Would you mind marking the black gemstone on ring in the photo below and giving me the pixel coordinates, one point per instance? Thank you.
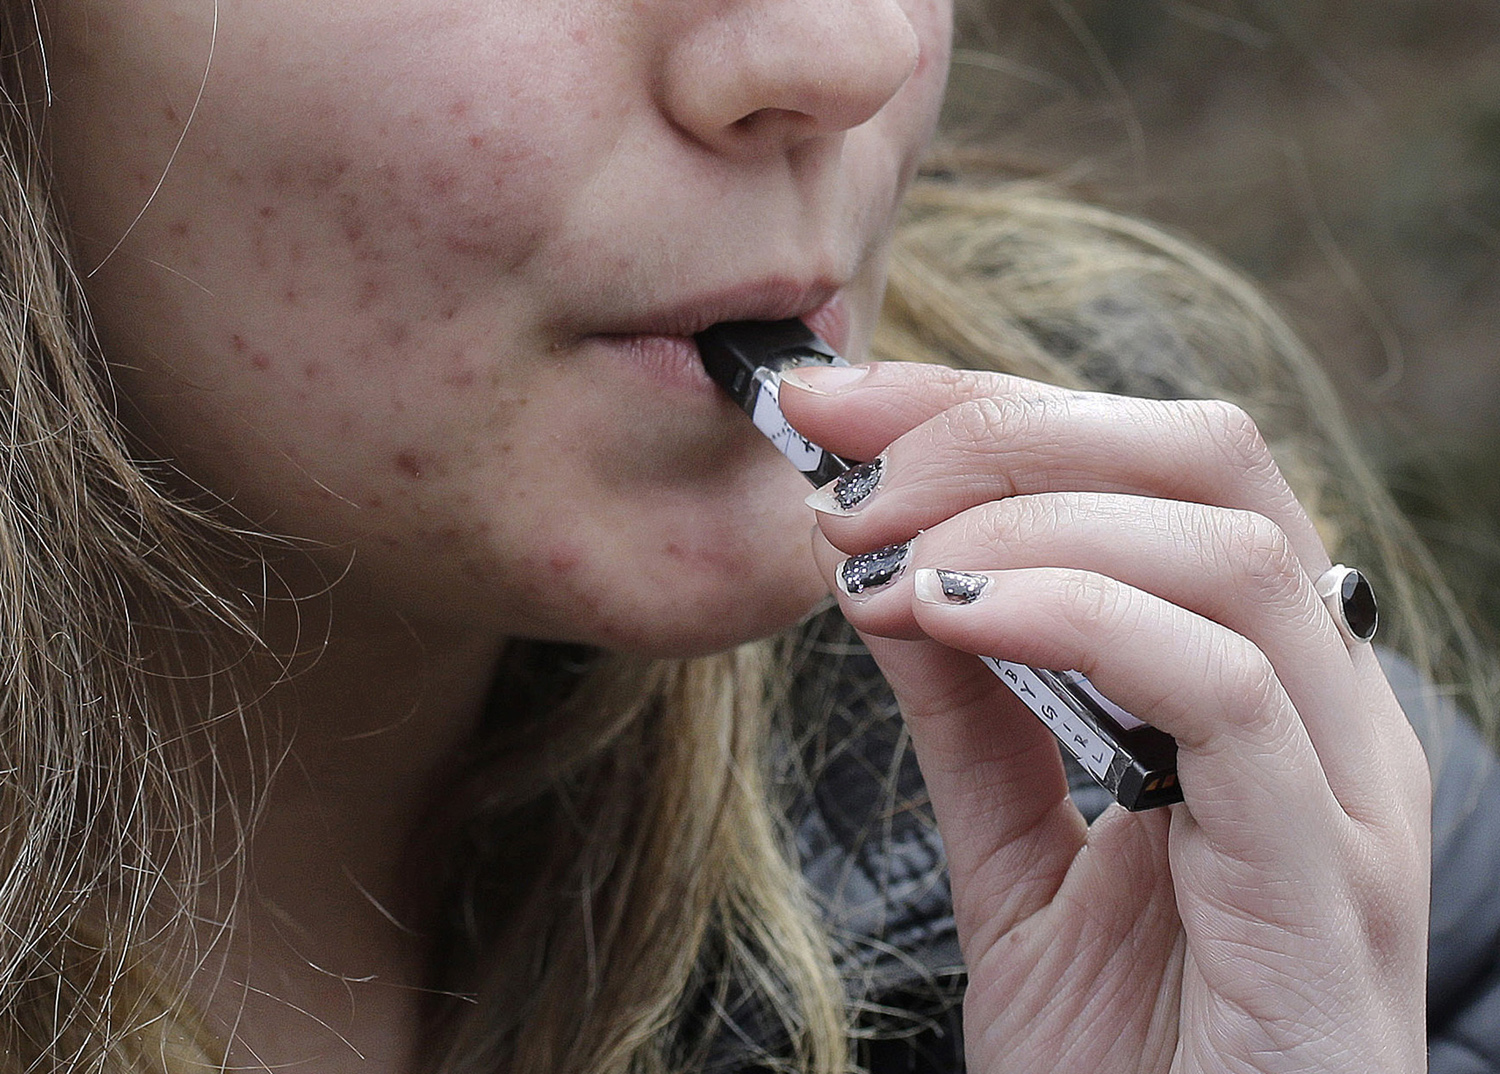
(874, 569)
(1357, 600)
(856, 483)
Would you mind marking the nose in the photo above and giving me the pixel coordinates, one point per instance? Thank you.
(750, 76)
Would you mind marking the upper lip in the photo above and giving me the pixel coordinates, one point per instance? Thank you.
(771, 299)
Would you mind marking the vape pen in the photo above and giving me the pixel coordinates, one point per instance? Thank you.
(1135, 762)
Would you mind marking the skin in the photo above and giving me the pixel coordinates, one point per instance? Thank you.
(1276, 921)
(410, 285)
(366, 303)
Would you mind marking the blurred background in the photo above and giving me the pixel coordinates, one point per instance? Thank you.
(1344, 152)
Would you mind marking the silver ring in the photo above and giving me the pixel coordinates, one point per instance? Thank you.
(1351, 601)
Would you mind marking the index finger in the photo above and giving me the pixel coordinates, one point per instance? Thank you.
(957, 438)
(889, 399)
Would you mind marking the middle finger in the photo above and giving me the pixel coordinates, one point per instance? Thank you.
(1233, 567)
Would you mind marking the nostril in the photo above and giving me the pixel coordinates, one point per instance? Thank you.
(786, 119)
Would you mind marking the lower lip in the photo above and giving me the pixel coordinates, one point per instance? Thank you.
(673, 361)
(670, 362)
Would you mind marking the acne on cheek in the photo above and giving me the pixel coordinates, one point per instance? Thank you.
(461, 187)
(412, 465)
(428, 238)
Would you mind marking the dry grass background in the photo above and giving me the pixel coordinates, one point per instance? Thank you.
(1345, 152)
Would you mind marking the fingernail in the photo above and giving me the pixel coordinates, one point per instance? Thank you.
(824, 379)
(847, 491)
(948, 587)
(871, 570)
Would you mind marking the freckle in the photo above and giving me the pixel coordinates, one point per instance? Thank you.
(675, 550)
(267, 213)
(260, 360)
(375, 502)
(462, 378)
(312, 371)
(466, 246)
(476, 141)
(170, 113)
(409, 464)
(369, 291)
(325, 174)
(179, 229)
(449, 312)
(563, 560)
(458, 109)
(238, 343)
(354, 232)
(290, 295)
(580, 35)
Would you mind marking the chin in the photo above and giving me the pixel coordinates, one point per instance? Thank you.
(698, 616)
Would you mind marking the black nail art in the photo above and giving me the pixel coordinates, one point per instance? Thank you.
(856, 483)
(874, 569)
(962, 588)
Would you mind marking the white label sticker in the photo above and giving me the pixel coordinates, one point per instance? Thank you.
(1081, 740)
(803, 453)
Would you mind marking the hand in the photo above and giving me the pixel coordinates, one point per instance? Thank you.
(1274, 921)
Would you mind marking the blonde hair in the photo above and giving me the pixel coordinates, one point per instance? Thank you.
(99, 572)
(619, 837)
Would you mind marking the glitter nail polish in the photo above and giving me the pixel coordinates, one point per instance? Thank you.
(871, 570)
(961, 587)
(854, 485)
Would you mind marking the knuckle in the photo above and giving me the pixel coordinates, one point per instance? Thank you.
(1233, 432)
(976, 425)
(956, 382)
(990, 424)
(1090, 601)
(1251, 686)
(1260, 555)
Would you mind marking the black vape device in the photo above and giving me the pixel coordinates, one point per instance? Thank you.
(1135, 762)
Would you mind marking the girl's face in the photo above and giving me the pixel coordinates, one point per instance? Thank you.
(414, 278)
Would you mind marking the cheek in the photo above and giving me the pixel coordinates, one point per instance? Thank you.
(343, 283)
